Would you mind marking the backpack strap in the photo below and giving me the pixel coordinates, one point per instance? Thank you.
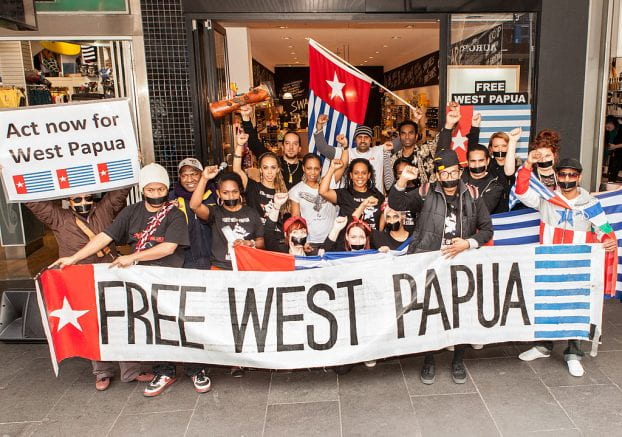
(90, 234)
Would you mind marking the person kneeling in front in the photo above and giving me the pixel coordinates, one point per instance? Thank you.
(450, 218)
(158, 234)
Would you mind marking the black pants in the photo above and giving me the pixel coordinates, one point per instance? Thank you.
(572, 352)
(168, 369)
(459, 350)
(615, 164)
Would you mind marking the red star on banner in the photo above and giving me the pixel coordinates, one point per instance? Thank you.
(459, 141)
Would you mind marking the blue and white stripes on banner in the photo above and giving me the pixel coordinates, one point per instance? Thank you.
(534, 184)
(39, 181)
(121, 169)
(81, 175)
(337, 122)
(612, 205)
(504, 118)
(562, 295)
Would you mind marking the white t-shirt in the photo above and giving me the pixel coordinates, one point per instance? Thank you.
(318, 212)
(375, 155)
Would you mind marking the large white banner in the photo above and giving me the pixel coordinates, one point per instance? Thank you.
(55, 151)
(327, 316)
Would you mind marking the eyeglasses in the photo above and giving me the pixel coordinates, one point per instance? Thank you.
(571, 175)
(79, 199)
(454, 174)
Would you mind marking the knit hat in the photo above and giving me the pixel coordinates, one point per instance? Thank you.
(152, 173)
(191, 162)
(445, 158)
(363, 130)
(569, 163)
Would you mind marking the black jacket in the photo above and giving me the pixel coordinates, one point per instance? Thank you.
(491, 190)
(429, 205)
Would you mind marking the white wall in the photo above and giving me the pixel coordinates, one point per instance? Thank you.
(240, 57)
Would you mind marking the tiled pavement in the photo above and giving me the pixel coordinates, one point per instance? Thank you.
(504, 396)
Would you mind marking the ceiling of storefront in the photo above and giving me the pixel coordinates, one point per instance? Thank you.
(281, 43)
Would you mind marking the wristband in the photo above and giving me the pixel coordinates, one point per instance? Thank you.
(237, 156)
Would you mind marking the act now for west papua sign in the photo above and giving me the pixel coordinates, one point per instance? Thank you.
(325, 316)
(55, 151)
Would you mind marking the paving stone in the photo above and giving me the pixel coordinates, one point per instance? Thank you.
(453, 415)
(517, 399)
(376, 402)
(234, 406)
(609, 364)
(152, 424)
(178, 396)
(594, 409)
(18, 429)
(444, 384)
(308, 419)
(303, 386)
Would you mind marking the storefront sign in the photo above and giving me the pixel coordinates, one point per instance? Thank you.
(326, 316)
(418, 73)
(481, 49)
(491, 92)
(55, 151)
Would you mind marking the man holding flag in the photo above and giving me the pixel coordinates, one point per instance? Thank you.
(570, 215)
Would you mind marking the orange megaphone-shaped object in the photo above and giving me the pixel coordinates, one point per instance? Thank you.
(256, 95)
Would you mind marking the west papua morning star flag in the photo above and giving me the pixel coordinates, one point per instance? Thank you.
(72, 177)
(337, 90)
(495, 118)
(36, 182)
(115, 170)
(524, 227)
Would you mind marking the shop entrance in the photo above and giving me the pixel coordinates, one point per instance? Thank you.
(426, 59)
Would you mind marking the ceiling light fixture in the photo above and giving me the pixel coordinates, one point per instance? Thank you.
(410, 26)
(290, 47)
(292, 53)
(385, 46)
(285, 37)
(282, 27)
(371, 57)
(377, 52)
(396, 37)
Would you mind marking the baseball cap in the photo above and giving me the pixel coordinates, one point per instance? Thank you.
(569, 163)
(192, 162)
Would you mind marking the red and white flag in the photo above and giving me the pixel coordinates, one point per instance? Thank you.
(338, 90)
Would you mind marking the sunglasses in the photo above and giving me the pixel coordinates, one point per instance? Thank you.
(563, 174)
(79, 199)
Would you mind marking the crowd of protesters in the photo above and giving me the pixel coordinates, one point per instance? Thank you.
(406, 194)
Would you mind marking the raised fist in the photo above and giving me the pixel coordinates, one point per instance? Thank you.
(322, 119)
(241, 138)
(533, 157)
(280, 199)
(336, 164)
(210, 172)
(476, 120)
(370, 201)
(340, 222)
(417, 115)
(410, 173)
(246, 111)
(515, 134)
(342, 141)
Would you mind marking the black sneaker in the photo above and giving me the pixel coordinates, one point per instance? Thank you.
(201, 381)
(237, 372)
(458, 372)
(157, 385)
(342, 370)
(428, 373)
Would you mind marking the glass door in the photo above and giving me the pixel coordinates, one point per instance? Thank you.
(211, 79)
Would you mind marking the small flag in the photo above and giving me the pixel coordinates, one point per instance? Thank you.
(115, 170)
(75, 176)
(338, 90)
(37, 182)
(495, 118)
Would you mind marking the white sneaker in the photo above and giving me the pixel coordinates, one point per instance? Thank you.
(450, 348)
(575, 368)
(477, 346)
(532, 354)
(370, 364)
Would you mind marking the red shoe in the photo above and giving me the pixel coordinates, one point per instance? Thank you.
(157, 385)
(144, 377)
(102, 384)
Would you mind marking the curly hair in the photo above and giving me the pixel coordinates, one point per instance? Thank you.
(371, 182)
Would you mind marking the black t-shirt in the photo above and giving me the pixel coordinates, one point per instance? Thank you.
(452, 222)
(244, 224)
(132, 221)
(292, 173)
(349, 201)
(258, 196)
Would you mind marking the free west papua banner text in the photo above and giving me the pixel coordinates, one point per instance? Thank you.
(324, 316)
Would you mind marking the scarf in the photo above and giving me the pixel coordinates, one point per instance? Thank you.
(152, 225)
